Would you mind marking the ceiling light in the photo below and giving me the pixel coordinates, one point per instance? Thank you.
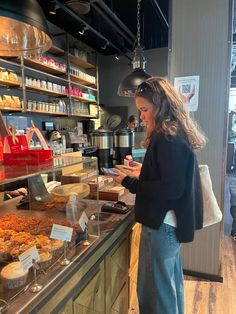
(83, 29)
(104, 47)
(24, 30)
(130, 83)
(52, 8)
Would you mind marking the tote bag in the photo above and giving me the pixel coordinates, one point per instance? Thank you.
(211, 211)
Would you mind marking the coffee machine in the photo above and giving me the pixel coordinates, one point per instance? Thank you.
(103, 140)
(122, 144)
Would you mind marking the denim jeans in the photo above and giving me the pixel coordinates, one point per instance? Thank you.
(160, 275)
(232, 189)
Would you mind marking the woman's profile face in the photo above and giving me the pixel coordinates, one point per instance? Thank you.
(147, 111)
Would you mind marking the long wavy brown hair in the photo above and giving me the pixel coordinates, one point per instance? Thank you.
(171, 115)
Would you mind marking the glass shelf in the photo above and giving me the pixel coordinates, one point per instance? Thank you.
(9, 174)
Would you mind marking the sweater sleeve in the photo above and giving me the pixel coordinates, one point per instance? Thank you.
(130, 183)
(171, 158)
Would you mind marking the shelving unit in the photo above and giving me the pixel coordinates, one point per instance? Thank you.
(37, 70)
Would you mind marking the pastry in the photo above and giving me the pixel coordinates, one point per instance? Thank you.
(45, 258)
(57, 247)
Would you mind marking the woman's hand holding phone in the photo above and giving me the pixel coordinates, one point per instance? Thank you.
(116, 174)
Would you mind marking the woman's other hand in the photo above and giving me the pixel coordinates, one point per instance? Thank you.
(133, 171)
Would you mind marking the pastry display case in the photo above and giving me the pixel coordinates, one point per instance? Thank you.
(49, 216)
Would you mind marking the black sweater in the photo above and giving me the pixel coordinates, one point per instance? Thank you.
(169, 179)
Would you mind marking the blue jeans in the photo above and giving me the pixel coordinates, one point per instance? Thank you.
(232, 189)
(160, 275)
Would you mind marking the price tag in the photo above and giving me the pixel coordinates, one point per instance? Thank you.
(61, 232)
(26, 258)
(83, 221)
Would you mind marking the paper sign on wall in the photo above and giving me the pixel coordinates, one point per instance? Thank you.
(188, 89)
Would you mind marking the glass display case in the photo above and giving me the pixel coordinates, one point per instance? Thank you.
(49, 216)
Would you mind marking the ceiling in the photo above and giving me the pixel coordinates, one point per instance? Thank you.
(111, 25)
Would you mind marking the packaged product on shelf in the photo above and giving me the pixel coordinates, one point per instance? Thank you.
(34, 82)
(1, 73)
(4, 74)
(63, 67)
(51, 62)
(1, 102)
(43, 84)
(59, 88)
(13, 76)
(38, 83)
(45, 60)
(55, 87)
(16, 101)
(7, 101)
(34, 105)
(29, 105)
(49, 85)
(30, 81)
(63, 89)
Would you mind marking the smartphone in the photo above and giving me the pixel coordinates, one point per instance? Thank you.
(109, 171)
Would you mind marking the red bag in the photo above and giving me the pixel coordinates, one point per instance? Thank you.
(16, 143)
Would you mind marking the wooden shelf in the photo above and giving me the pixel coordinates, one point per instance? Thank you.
(44, 90)
(43, 67)
(56, 51)
(9, 83)
(83, 116)
(77, 79)
(80, 62)
(48, 112)
(10, 109)
(83, 99)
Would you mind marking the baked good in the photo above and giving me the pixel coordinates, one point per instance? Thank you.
(13, 275)
(45, 258)
(57, 247)
(4, 254)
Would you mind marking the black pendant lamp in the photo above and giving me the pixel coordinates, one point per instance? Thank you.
(23, 30)
(129, 84)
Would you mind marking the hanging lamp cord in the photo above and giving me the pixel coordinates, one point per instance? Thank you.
(138, 22)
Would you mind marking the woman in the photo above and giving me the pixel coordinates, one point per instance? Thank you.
(168, 195)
